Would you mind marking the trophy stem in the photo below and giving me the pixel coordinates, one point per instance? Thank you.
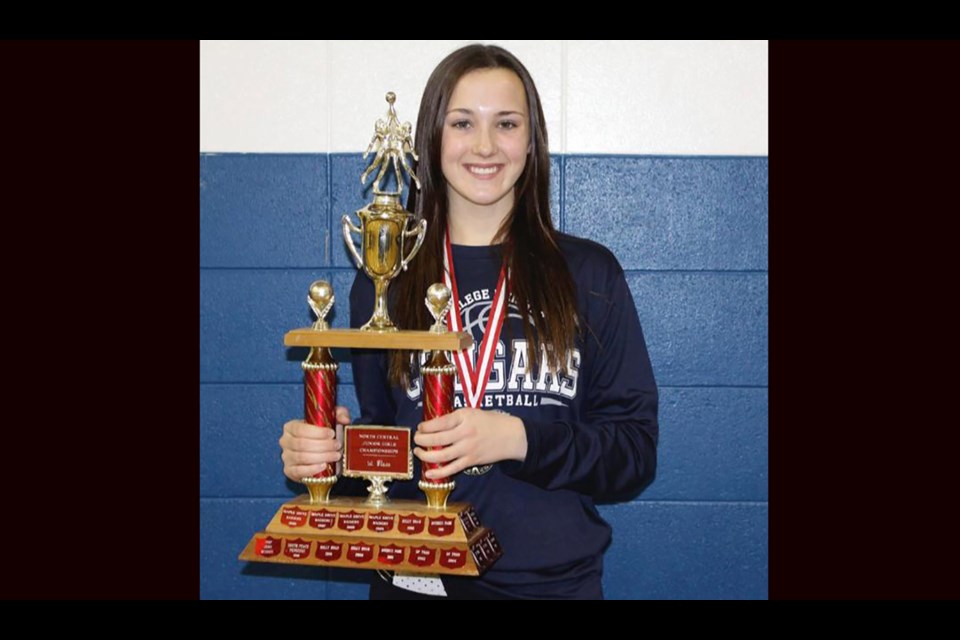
(381, 319)
(319, 488)
(437, 494)
(378, 490)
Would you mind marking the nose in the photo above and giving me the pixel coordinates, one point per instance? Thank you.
(484, 143)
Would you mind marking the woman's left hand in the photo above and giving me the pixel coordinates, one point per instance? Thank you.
(470, 437)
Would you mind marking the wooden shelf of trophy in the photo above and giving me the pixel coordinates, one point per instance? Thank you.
(418, 340)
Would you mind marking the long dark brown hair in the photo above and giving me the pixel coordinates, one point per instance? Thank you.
(529, 239)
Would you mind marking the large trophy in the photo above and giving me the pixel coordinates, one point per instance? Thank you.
(407, 536)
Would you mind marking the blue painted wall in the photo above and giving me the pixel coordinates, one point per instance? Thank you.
(691, 233)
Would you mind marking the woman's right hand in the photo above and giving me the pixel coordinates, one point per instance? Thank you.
(308, 448)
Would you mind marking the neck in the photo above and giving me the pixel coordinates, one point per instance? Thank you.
(474, 227)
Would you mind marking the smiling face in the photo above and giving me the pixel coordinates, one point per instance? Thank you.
(486, 137)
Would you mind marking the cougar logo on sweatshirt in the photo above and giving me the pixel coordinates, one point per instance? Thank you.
(510, 385)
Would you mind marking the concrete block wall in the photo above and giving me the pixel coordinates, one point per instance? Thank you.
(659, 152)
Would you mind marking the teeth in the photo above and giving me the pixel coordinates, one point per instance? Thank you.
(483, 172)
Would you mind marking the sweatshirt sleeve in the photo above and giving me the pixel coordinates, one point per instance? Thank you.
(610, 452)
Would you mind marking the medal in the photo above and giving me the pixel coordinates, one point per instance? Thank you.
(474, 379)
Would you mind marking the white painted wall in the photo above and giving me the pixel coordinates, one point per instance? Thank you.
(630, 97)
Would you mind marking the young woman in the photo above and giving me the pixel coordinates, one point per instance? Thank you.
(568, 415)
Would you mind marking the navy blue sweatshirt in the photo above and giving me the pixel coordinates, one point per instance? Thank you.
(591, 432)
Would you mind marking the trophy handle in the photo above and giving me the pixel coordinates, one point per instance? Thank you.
(420, 231)
(348, 226)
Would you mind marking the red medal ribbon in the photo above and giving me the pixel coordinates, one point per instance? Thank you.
(474, 378)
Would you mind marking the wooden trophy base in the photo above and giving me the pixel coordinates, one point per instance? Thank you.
(397, 535)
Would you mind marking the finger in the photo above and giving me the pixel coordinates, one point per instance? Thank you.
(303, 429)
(310, 445)
(297, 458)
(343, 415)
(439, 439)
(442, 423)
(290, 425)
(438, 455)
(293, 443)
(311, 431)
(297, 472)
(447, 471)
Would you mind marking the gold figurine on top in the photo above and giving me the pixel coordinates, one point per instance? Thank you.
(385, 224)
(393, 142)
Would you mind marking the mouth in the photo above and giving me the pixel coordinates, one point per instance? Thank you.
(483, 171)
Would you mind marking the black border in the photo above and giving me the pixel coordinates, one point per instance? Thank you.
(102, 467)
(863, 136)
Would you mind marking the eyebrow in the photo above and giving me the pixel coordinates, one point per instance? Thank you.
(499, 113)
